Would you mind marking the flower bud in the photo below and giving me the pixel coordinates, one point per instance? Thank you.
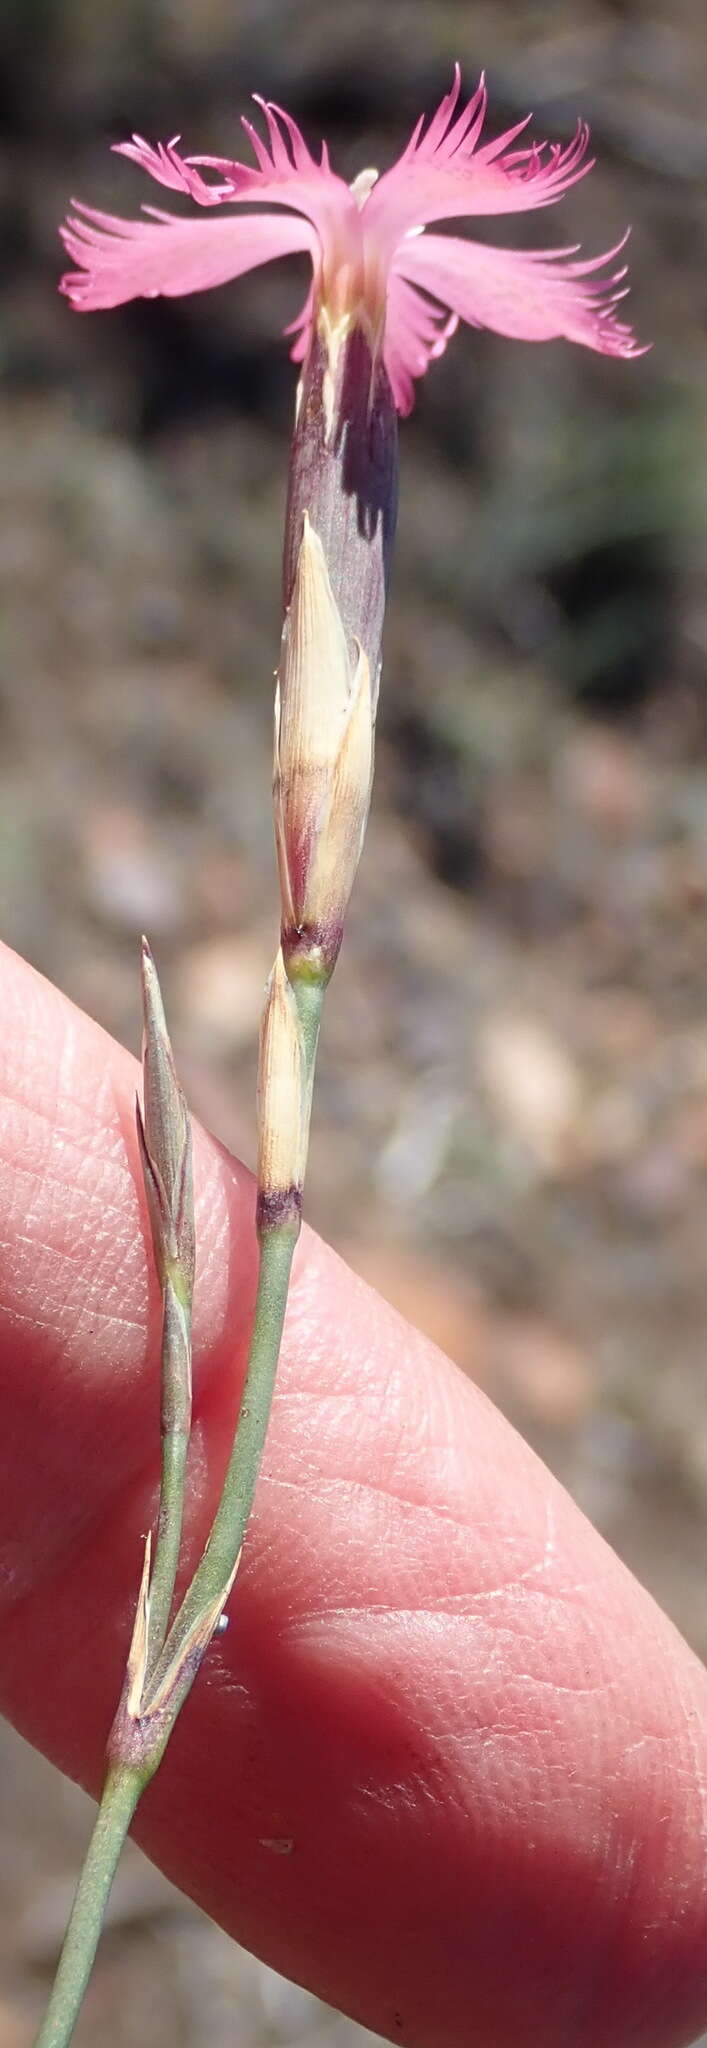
(283, 1112)
(324, 719)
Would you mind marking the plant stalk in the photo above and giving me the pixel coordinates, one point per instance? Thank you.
(177, 1666)
(176, 1420)
(277, 1248)
(121, 1792)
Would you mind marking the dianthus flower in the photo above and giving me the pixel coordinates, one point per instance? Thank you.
(375, 264)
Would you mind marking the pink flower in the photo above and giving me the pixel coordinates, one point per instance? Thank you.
(373, 261)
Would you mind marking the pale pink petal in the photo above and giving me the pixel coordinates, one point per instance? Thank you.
(532, 295)
(163, 256)
(285, 172)
(443, 174)
(416, 333)
(365, 242)
(167, 167)
(301, 327)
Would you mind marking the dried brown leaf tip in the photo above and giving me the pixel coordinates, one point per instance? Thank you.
(137, 1655)
(176, 1673)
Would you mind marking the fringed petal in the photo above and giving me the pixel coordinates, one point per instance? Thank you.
(285, 172)
(534, 295)
(366, 243)
(167, 167)
(443, 174)
(164, 257)
(416, 333)
(301, 328)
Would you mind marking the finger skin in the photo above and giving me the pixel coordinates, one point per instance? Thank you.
(448, 1764)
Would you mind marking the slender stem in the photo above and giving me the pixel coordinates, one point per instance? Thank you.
(277, 1246)
(176, 1420)
(228, 1528)
(125, 1783)
(169, 1534)
(120, 1796)
(309, 997)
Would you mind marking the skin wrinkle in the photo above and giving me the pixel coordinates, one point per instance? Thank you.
(371, 1636)
(93, 1120)
(137, 1495)
(383, 1490)
(65, 1185)
(65, 1536)
(498, 1635)
(409, 1407)
(67, 1282)
(69, 1191)
(578, 1691)
(447, 1811)
(626, 1894)
(36, 1244)
(120, 1257)
(355, 1490)
(107, 1284)
(498, 1651)
(511, 1586)
(699, 1773)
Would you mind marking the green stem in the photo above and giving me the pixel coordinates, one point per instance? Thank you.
(229, 1524)
(277, 1246)
(169, 1536)
(176, 1419)
(124, 1785)
(309, 997)
(125, 1782)
(120, 1796)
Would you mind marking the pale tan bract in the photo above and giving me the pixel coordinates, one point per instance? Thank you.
(324, 720)
(282, 1105)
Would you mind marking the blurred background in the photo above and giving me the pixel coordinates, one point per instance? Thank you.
(510, 1136)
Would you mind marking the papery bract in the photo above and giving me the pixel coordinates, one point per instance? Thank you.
(373, 262)
(324, 718)
(283, 1105)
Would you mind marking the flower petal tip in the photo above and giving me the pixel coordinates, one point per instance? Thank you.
(429, 282)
